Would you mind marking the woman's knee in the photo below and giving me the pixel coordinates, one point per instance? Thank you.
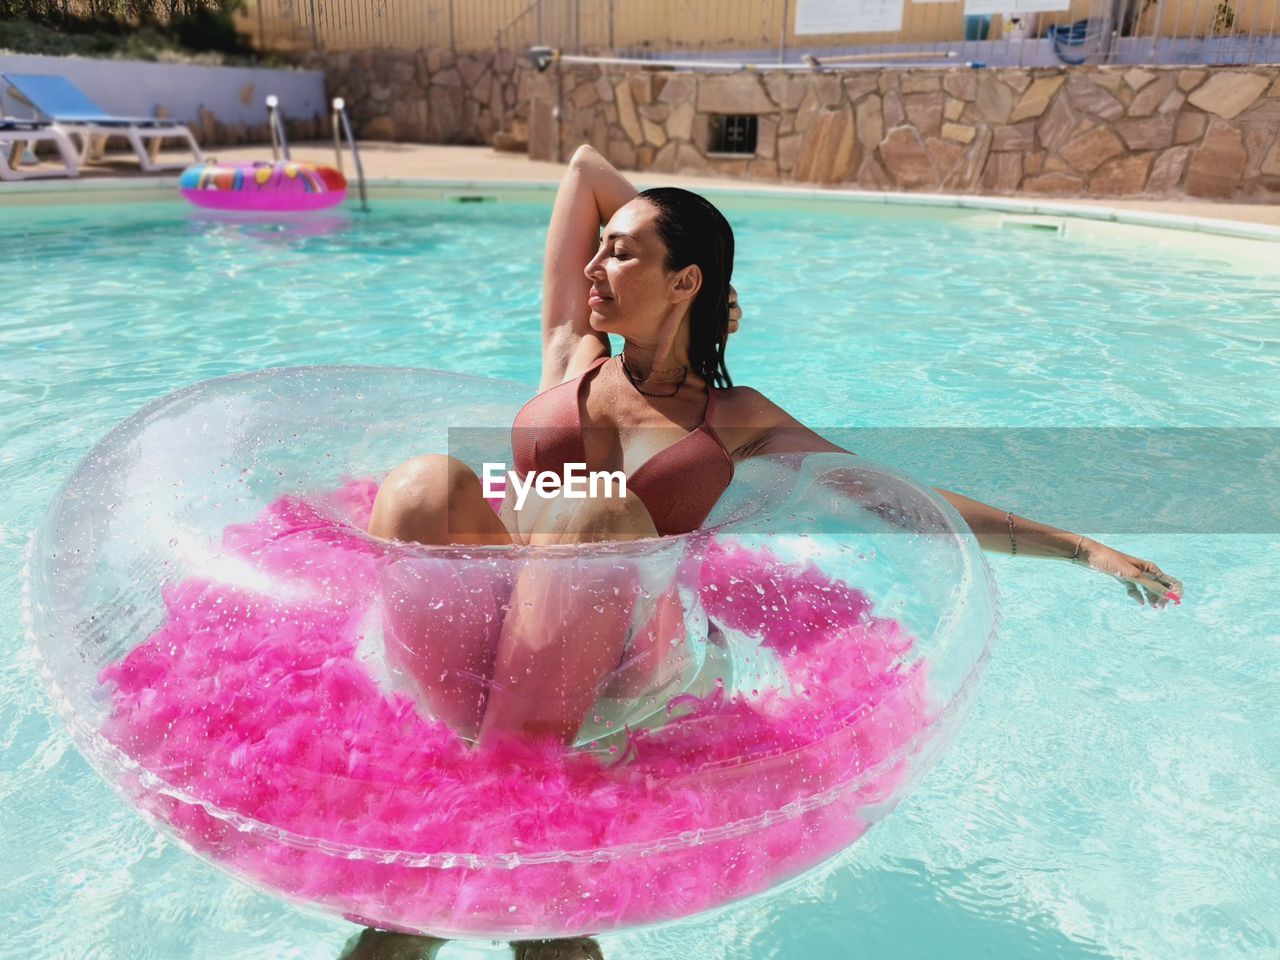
(416, 496)
(589, 521)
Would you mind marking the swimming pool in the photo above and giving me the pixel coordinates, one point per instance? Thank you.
(1116, 788)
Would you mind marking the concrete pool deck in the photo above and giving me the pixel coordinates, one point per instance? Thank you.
(430, 161)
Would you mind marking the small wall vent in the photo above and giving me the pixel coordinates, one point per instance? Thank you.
(733, 134)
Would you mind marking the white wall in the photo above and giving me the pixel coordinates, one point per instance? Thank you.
(233, 94)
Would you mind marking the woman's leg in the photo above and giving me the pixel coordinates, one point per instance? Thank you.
(441, 620)
(568, 621)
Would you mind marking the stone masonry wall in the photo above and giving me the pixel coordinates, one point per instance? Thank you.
(430, 96)
(1066, 132)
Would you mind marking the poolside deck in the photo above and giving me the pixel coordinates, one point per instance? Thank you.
(423, 161)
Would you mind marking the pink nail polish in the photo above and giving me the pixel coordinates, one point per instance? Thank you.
(1170, 595)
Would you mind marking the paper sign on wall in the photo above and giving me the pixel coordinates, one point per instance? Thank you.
(849, 16)
(986, 7)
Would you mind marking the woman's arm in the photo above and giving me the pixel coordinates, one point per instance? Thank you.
(590, 193)
(997, 531)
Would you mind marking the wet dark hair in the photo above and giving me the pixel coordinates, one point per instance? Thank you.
(695, 232)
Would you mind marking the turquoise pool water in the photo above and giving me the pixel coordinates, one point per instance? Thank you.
(1116, 789)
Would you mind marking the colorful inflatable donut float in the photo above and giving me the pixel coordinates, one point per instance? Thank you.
(270, 685)
(281, 186)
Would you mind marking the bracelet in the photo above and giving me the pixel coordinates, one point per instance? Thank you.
(1076, 553)
(1013, 544)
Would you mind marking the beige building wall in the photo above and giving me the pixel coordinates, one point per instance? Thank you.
(599, 26)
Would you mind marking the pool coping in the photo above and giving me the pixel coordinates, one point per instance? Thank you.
(30, 189)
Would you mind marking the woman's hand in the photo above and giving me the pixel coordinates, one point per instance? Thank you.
(1143, 580)
(735, 311)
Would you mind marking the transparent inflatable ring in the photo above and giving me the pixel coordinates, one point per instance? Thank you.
(263, 680)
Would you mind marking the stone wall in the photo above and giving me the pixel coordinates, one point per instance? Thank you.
(1066, 132)
(430, 96)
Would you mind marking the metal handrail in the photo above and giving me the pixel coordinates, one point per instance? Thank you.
(275, 120)
(340, 117)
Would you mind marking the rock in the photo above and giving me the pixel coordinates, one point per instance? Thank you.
(653, 132)
(1190, 126)
(1088, 97)
(961, 84)
(542, 132)
(829, 90)
(1088, 152)
(859, 85)
(945, 155)
(680, 87)
(1166, 172)
(1002, 172)
(762, 169)
(1137, 79)
(1257, 138)
(894, 114)
(680, 123)
(1172, 103)
(379, 128)
(924, 111)
(872, 176)
(1121, 177)
(604, 89)
(733, 93)
(1218, 163)
(767, 139)
(1228, 93)
(1053, 184)
(621, 153)
(1018, 79)
(785, 89)
(829, 151)
(690, 160)
(447, 78)
(965, 176)
(1188, 80)
(1271, 163)
(584, 96)
(664, 161)
(913, 82)
(907, 160)
(627, 115)
(995, 100)
(1149, 133)
(641, 87)
(1016, 136)
(1145, 103)
(1056, 126)
(959, 132)
(1036, 100)
(953, 109)
(788, 148)
(1275, 89)
(869, 122)
(404, 71)
(1033, 163)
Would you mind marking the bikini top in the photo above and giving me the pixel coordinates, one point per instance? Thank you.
(678, 485)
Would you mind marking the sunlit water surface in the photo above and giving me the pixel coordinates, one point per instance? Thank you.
(1116, 790)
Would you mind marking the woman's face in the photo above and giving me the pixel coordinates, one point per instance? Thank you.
(631, 290)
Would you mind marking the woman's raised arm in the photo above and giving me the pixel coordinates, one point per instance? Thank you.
(590, 193)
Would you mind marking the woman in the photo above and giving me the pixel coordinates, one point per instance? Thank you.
(665, 413)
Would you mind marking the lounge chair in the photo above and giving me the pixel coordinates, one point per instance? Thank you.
(74, 114)
(16, 135)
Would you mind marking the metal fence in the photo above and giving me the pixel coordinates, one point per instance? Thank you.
(792, 32)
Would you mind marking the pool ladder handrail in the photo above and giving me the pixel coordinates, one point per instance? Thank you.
(342, 124)
(275, 120)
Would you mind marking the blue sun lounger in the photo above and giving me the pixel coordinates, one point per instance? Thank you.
(16, 135)
(70, 111)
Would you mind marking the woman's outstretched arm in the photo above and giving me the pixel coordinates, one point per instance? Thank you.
(590, 193)
(774, 431)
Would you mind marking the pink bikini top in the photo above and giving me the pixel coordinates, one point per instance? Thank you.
(678, 485)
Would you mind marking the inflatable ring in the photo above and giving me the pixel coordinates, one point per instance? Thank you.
(239, 659)
(282, 186)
